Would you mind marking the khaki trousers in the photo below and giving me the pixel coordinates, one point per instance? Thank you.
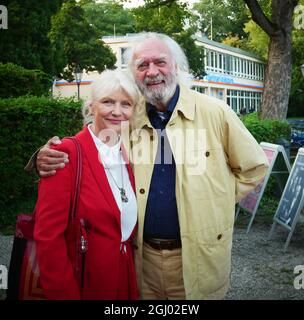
(162, 274)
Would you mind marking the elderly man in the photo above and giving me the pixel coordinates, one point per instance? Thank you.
(193, 159)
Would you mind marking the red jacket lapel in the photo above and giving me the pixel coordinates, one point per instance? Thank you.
(91, 153)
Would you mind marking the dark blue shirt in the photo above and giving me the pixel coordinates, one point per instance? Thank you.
(161, 218)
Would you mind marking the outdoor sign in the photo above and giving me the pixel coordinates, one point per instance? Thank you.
(292, 200)
(279, 167)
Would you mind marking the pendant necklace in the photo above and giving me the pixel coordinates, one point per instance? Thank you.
(122, 190)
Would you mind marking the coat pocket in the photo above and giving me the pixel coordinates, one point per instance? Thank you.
(213, 259)
(206, 174)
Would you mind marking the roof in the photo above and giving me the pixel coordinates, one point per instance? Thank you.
(205, 40)
(202, 39)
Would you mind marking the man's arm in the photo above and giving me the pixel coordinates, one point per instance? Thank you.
(247, 159)
(46, 160)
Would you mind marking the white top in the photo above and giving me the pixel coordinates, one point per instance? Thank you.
(112, 160)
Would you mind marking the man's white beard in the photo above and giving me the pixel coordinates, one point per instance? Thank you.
(163, 93)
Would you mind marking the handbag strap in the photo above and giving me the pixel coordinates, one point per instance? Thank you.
(75, 199)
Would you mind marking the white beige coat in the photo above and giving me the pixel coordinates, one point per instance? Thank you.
(217, 163)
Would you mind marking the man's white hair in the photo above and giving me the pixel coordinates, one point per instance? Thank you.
(178, 56)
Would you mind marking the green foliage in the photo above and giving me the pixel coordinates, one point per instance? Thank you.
(228, 18)
(269, 201)
(266, 130)
(79, 40)
(25, 42)
(17, 81)
(172, 18)
(161, 16)
(296, 99)
(258, 39)
(26, 124)
(194, 53)
(267, 206)
(109, 17)
(258, 42)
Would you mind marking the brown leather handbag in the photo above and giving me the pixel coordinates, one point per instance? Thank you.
(24, 275)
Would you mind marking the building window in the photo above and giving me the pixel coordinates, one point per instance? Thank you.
(244, 101)
(223, 63)
(199, 89)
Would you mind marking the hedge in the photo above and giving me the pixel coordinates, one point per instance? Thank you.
(17, 81)
(26, 124)
(266, 130)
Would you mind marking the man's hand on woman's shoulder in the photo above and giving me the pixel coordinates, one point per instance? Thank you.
(49, 160)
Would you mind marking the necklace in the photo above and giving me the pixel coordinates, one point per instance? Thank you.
(122, 190)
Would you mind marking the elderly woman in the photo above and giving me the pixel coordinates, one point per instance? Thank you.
(107, 202)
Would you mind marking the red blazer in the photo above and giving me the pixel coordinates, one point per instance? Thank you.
(102, 276)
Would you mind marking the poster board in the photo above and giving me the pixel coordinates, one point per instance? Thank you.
(279, 167)
(292, 200)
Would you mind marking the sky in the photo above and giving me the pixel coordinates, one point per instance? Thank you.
(136, 3)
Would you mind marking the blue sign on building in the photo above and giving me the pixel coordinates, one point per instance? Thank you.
(217, 78)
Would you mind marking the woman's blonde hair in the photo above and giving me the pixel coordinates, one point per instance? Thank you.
(109, 82)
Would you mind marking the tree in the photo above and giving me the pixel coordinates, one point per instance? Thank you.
(296, 101)
(225, 16)
(109, 18)
(79, 40)
(161, 16)
(25, 42)
(258, 40)
(278, 71)
(171, 17)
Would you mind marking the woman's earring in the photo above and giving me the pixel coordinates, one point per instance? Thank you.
(91, 113)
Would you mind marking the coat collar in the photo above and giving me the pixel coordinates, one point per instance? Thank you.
(90, 151)
(185, 104)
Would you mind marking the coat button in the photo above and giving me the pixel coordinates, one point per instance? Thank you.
(151, 137)
(142, 191)
(219, 237)
(135, 246)
(207, 153)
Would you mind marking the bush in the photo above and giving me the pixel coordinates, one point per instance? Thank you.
(26, 124)
(266, 130)
(17, 81)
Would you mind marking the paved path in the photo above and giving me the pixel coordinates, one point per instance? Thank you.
(260, 268)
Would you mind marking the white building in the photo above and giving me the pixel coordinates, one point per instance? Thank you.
(233, 75)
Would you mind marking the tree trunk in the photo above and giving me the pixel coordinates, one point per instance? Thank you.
(277, 80)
